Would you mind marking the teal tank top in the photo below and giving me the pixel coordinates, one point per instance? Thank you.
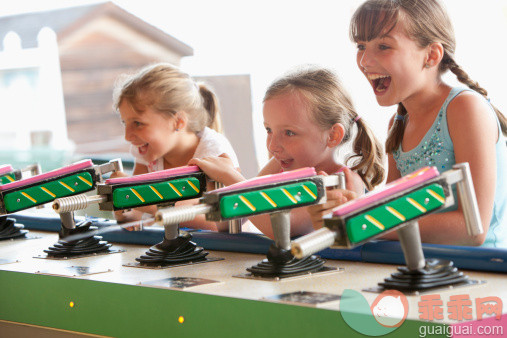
(436, 149)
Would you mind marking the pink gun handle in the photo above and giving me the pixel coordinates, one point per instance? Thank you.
(4, 169)
(85, 164)
(157, 175)
(405, 182)
(274, 178)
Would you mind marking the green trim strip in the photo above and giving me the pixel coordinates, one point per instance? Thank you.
(266, 200)
(48, 191)
(160, 192)
(7, 178)
(398, 211)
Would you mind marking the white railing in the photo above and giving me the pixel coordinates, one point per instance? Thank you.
(32, 111)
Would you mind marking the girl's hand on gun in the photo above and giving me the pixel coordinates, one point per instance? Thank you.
(219, 168)
(116, 174)
(353, 181)
(336, 197)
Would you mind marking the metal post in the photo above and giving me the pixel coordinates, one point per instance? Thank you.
(67, 219)
(171, 231)
(280, 222)
(410, 241)
(468, 200)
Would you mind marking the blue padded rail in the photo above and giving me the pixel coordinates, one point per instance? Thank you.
(464, 257)
(387, 252)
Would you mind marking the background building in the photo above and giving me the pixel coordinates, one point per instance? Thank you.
(97, 43)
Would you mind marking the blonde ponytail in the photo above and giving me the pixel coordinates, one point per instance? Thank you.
(368, 150)
(212, 106)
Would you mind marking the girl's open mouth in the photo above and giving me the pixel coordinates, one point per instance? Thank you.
(143, 149)
(379, 82)
(286, 163)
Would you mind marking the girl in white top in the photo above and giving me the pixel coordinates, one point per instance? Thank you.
(169, 119)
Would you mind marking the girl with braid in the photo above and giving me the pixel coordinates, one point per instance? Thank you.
(308, 116)
(403, 49)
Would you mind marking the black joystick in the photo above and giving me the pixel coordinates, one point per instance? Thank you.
(281, 263)
(179, 250)
(10, 229)
(436, 273)
(87, 245)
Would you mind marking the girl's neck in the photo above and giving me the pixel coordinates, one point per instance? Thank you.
(428, 100)
(183, 150)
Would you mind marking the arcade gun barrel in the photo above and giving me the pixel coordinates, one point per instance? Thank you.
(8, 174)
(163, 187)
(266, 194)
(43, 188)
(399, 203)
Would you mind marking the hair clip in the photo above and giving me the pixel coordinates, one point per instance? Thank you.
(358, 117)
(399, 117)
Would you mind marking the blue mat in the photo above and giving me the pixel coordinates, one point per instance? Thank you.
(387, 252)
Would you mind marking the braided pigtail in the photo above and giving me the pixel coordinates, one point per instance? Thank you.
(395, 135)
(463, 77)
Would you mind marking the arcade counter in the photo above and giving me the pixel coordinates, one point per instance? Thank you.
(108, 295)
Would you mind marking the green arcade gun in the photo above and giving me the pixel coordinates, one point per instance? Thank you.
(68, 181)
(397, 207)
(276, 195)
(161, 188)
(8, 227)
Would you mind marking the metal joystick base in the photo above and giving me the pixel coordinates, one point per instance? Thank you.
(83, 245)
(280, 262)
(176, 248)
(421, 274)
(436, 273)
(10, 229)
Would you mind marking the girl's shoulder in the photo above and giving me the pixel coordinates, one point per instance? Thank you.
(468, 108)
(211, 136)
(213, 143)
(471, 118)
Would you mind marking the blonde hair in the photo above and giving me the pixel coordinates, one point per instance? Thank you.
(330, 103)
(166, 89)
(425, 22)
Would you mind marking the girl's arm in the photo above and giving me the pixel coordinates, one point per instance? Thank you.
(474, 134)
(336, 197)
(220, 169)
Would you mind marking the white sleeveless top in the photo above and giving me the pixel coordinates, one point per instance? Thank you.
(211, 143)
